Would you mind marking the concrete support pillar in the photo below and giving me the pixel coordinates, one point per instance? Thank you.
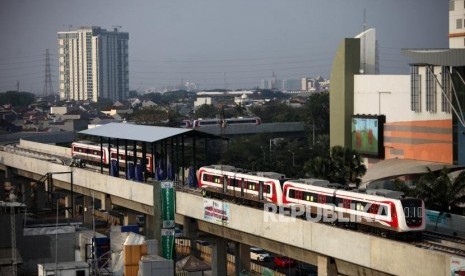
(156, 224)
(23, 192)
(148, 226)
(88, 209)
(105, 202)
(126, 219)
(219, 257)
(7, 187)
(8, 173)
(40, 196)
(326, 266)
(242, 257)
(67, 204)
(191, 231)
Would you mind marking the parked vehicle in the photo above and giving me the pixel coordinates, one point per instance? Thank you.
(259, 254)
(304, 269)
(282, 261)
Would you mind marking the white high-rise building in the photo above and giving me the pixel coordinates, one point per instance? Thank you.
(93, 64)
(456, 24)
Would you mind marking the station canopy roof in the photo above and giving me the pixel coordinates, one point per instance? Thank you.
(444, 57)
(142, 133)
(392, 168)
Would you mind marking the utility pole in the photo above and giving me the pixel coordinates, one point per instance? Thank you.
(13, 241)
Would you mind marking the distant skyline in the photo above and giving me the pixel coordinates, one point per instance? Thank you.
(216, 43)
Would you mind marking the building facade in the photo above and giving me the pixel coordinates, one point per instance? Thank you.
(456, 24)
(93, 64)
(424, 111)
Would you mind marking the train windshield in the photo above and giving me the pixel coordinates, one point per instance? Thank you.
(413, 211)
(412, 207)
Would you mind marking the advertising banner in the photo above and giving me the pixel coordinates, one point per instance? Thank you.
(216, 211)
(457, 266)
(167, 243)
(167, 204)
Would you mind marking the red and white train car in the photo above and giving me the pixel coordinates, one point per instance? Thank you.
(237, 182)
(395, 214)
(91, 153)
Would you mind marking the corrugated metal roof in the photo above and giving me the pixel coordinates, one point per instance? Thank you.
(132, 132)
(444, 57)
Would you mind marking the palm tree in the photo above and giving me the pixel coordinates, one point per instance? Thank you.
(319, 167)
(440, 192)
(343, 166)
(346, 166)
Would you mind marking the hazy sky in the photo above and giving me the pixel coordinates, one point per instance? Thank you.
(216, 43)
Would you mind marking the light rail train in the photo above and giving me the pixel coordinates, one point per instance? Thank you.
(382, 210)
(91, 153)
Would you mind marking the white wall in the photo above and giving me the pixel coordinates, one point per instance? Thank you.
(390, 95)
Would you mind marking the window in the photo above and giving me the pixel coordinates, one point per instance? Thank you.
(430, 89)
(415, 89)
(451, 5)
(446, 92)
(459, 23)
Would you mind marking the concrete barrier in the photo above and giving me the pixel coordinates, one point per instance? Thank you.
(380, 254)
(45, 148)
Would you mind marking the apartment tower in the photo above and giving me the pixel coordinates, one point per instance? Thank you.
(93, 64)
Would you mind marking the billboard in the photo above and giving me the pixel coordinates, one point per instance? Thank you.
(216, 211)
(368, 135)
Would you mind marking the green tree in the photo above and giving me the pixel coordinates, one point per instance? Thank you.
(17, 98)
(206, 111)
(276, 111)
(343, 166)
(153, 116)
(441, 192)
(239, 110)
(133, 94)
(316, 114)
(319, 167)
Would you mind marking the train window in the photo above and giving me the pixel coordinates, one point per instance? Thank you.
(216, 179)
(360, 206)
(322, 199)
(291, 193)
(374, 208)
(383, 210)
(299, 194)
(346, 203)
(267, 189)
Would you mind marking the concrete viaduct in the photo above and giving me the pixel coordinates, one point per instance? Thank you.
(335, 251)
